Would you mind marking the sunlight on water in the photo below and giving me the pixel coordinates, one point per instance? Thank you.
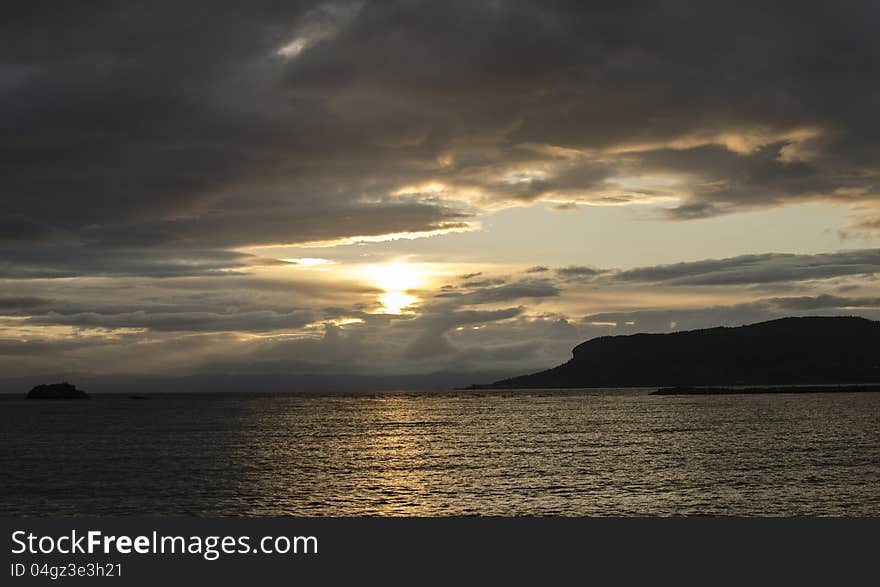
(488, 453)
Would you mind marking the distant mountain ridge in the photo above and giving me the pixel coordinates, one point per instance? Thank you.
(807, 350)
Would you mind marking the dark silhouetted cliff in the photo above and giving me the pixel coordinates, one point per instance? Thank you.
(784, 351)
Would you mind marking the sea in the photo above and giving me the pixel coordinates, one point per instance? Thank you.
(610, 452)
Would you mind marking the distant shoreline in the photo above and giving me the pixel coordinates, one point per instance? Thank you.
(775, 389)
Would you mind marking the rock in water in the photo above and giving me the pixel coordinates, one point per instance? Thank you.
(63, 390)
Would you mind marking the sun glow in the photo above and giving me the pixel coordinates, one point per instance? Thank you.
(395, 302)
(396, 279)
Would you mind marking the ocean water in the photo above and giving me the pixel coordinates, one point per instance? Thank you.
(561, 453)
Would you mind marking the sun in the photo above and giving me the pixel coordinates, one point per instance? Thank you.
(396, 279)
(396, 276)
(395, 302)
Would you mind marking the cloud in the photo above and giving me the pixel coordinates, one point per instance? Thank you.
(256, 321)
(758, 269)
(671, 319)
(500, 353)
(308, 125)
(47, 262)
(22, 303)
(862, 224)
(279, 223)
(823, 301)
(28, 349)
(319, 23)
(16, 230)
(578, 272)
(431, 342)
(490, 292)
(513, 291)
(142, 162)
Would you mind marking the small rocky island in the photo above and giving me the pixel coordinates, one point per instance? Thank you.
(63, 390)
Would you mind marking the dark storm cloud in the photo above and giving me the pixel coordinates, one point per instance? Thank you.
(758, 269)
(47, 262)
(14, 304)
(130, 126)
(256, 321)
(730, 181)
(748, 105)
(280, 223)
(291, 122)
(17, 230)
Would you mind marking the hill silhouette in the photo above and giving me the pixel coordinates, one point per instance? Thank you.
(787, 351)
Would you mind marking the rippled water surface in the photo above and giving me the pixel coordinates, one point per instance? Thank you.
(569, 453)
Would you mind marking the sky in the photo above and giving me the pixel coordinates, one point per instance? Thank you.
(406, 187)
